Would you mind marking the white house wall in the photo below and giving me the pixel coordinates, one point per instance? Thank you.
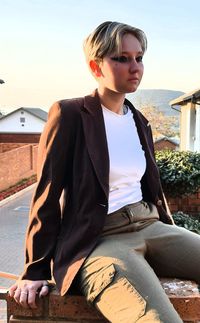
(13, 123)
(197, 135)
(185, 127)
(192, 127)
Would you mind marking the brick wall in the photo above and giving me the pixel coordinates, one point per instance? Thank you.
(9, 146)
(188, 204)
(20, 137)
(183, 294)
(17, 164)
(164, 144)
(21, 162)
(34, 157)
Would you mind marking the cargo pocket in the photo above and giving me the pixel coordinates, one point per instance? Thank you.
(121, 302)
(98, 282)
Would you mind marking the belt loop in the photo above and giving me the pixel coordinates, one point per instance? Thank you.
(129, 213)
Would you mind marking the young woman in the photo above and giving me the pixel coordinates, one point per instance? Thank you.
(113, 235)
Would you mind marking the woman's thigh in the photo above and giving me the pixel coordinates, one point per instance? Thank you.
(173, 251)
(121, 284)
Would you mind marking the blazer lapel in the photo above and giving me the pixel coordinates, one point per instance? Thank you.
(95, 136)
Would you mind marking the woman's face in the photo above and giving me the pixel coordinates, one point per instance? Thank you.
(123, 73)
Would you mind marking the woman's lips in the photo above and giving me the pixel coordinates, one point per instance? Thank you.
(134, 79)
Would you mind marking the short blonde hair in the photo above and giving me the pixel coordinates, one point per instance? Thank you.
(107, 37)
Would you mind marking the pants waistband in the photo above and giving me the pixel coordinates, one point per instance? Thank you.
(131, 217)
(127, 208)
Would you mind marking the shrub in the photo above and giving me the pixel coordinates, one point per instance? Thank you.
(179, 171)
(187, 222)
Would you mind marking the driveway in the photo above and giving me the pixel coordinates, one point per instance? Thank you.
(13, 222)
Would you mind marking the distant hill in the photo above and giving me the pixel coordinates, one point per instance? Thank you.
(158, 98)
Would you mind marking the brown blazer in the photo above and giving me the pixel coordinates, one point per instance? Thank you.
(73, 156)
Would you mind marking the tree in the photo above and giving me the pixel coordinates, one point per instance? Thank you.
(160, 122)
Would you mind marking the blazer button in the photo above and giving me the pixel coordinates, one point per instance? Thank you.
(159, 203)
(101, 204)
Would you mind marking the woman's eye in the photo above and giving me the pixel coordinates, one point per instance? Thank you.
(139, 59)
(125, 59)
(120, 59)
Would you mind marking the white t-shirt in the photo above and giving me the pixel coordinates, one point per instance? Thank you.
(127, 160)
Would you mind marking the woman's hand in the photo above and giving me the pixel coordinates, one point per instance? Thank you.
(24, 291)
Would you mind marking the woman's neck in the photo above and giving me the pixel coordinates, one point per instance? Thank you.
(112, 100)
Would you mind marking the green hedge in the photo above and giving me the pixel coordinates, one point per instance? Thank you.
(186, 221)
(179, 171)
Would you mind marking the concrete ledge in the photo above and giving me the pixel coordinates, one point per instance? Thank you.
(185, 297)
(183, 294)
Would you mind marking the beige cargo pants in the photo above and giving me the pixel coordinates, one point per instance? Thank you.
(120, 277)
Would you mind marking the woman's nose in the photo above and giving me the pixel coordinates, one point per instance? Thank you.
(134, 66)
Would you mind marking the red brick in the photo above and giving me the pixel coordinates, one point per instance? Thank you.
(17, 310)
(185, 297)
(38, 320)
(71, 307)
(188, 204)
(164, 144)
(171, 200)
(183, 294)
(187, 307)
(9, 146)
(194, 202)
(17, 164)
(19, 138)
(174, 208)
(193, 196)
(184, 200)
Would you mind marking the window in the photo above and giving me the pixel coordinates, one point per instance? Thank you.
(22, 120)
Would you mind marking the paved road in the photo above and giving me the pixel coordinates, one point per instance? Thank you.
(13, 222)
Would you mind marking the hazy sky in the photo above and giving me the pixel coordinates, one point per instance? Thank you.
(41, 57)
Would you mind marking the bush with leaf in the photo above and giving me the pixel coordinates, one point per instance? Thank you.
(186, 221)
(179, 171)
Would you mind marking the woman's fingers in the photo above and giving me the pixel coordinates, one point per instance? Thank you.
(23, 298)
(24, 292)
(17, 294)
(12, 290)
(31, 298)
(44, 290)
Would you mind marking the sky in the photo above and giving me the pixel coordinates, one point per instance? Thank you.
(41, 56)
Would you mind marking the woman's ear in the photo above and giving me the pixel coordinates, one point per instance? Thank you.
(96, 70)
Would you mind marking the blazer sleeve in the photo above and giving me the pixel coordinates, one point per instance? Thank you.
(45, 215)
